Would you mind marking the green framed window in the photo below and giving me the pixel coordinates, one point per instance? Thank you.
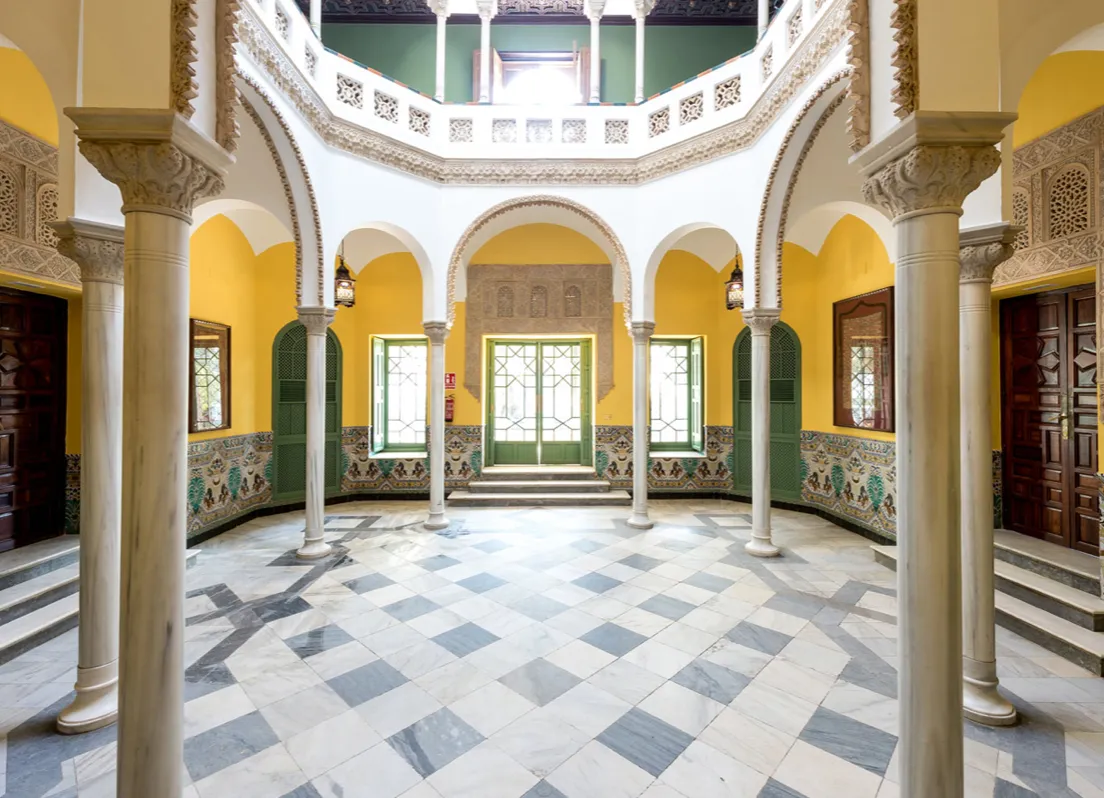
(677, 390)
(399, 385)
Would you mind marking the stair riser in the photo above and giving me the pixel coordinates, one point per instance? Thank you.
(1050, 571)
(548, 501)
(1086, 659)
(578, 487)
(30, 605)
(1086, 620)
(531, 476)
(43, 635)
(38, 569)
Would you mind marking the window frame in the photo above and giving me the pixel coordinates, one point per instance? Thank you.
(381, 443)
(874, 302)
(223, 331)
(695, 399)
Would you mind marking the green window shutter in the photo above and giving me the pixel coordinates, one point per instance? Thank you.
(333, 413)
(379, 394)
(697, 384)
(289, 411)
(741, 416)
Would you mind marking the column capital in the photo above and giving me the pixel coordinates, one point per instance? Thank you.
(436, 332)
(931, 178)
(487, 9)
(983, 249)
(316, 319)
(595, 9)
(158, 159)
(642, 331)
(642, 8)
(96, 248)
(440, 8)
(760, 320)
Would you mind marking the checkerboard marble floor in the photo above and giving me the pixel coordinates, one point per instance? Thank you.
(548, 653)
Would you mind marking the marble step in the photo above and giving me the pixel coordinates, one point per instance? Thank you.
(528, 473)
(25, 597)
(1068, 603)
(28, 562)
(539, 486)
(1074, 568)
(614, 498)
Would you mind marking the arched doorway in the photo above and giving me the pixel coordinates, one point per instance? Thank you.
(289, 412)
(785, 413)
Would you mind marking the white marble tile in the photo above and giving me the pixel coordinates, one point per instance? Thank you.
(304, 710)
(588, 708)
(580, 658)
(420, 659)
(393, 639)
(684, 709)
(686, 638)
(660, 659)
(453, 681)
(491, 708)
(483, 772)
(758, 745)
(783, 711)
(597, 771)
(704, 772)
(540, 741)
(796, 680)
(379, 772)
(271, 773)
(818, 774)
(341, 659)
(215, 709)
(330, 743)
(398, 708)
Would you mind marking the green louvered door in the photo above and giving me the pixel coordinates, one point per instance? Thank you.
(785, 448)
(289, 412)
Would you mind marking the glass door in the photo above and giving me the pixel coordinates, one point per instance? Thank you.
(539, 408)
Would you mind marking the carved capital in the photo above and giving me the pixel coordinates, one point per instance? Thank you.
(760, 320)
(439, 7)
(595, 9)
(316, 320)
(931, 177)
(983, 249)
(487, 9)
(642, 331)
(642, 8)
(97, 249)
(436, 332)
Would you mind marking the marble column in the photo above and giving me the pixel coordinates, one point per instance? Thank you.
(437, 332)
(316, 17)
(760, 320)
(98, 250)
(981, 251)
(594, 10)
(763, 17)
(161, 164)
(487, 10)
(641, 10)
(316, 320)
(441, 10)
(922, 186)
(642, 337)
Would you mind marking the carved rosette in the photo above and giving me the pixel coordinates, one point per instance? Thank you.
(760, 320)
(436, 332)
(157, 177)
(931, 177)
(642, 331)
(316, 320)
(977, 261)
(100, 259)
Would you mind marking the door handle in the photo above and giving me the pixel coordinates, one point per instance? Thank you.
(1064, 416)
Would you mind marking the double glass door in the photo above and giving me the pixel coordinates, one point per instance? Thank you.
(538, 411)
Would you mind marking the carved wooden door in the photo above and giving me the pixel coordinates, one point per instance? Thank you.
(1048, 420)
(32, 417)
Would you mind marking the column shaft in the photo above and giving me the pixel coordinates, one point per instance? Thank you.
(760, 320)
(642, 334)
(437, 332)
(316, 320)
(485, 58)
(442, 27)
(595, 59)
(316, 17)
(763, 17)
(639, 95)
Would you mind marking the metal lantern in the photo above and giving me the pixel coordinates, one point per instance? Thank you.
(344, 284)
(734, 289)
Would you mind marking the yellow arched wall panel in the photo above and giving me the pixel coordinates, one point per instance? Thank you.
(274, 293)
(1065, 86)
(538, 245)
(25, 99)
(851, 261)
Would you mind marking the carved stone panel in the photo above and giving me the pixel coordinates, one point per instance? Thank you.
(539, 300)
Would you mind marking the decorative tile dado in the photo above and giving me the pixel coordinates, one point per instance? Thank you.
(613, 447)
(227, 477)
(998, 489)
(72, 494)
(364, 473)
(854, 478)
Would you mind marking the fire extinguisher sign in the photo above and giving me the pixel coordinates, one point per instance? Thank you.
(450, 380)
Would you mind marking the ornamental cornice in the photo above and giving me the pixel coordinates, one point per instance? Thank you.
(931, 177)
(226, 90)
(316, 320)
(814, 51)
(858, 61)
(96, 249)
(905, 60)
(760, 320)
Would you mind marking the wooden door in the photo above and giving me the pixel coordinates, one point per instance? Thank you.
(1049, 417)
(32, 417)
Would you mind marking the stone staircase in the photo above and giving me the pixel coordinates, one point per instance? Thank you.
(38, 593)
(538, 486)
(1045, 593)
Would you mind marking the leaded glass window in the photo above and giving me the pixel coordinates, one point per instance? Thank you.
(676, 394)
(209, 405)
(399, 386)
(863, 339)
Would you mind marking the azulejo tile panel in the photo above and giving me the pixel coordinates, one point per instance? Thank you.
(72, 494)
(713, 472)
(855, 478)
(363, 472)
(227, 477)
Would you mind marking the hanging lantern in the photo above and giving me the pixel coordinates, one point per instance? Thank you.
(344, 284)
(734, 289)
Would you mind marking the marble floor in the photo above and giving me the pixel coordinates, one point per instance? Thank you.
(551, 653)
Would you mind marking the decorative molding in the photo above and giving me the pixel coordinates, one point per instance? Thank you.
(456, 262)
(316, 319)
(436, 332)
(905, 61)
(642, 331)
(96, 249)
(977, 262)
(666, 11)
(182, 77)
(760, 320)
(226, 89)
(814, 51)
(930, 177)
(858, 61)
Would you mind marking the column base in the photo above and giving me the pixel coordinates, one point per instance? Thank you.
(640, 521)
(437, 521)
(97, 702)
(761, 547)
(314, 549)
(982, 703)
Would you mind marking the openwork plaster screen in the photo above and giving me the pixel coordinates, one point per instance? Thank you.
(210, 376)
(863, 359)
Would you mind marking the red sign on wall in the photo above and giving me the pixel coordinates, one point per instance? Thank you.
(450, 380)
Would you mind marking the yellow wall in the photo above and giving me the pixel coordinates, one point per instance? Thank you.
(25, 99)
(275, 307)
(1066, 86)
(851, 261)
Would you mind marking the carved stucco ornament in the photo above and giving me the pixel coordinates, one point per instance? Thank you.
(930, 177)
(100, 259)
(977, 262)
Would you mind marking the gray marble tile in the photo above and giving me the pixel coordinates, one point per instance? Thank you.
(641, 562)
(437, 562)
(645, 740)
(839, 735)
(667, 607)
(228, 744)
(318, 640)
(305, 791)
(588, 546)
(539, 608)
(798, 604)
(712, 680)
(709, 582)
(434, 741)
(596, 583)
(759, 638)
(368, 582)
(774, 789)
(1006, 789)
(366, 682)
(466, 639)
(481, 583)
(613, 639)
(491, 546)
(681, 546)
(540, 681)
(542, 789)
(410, 608)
